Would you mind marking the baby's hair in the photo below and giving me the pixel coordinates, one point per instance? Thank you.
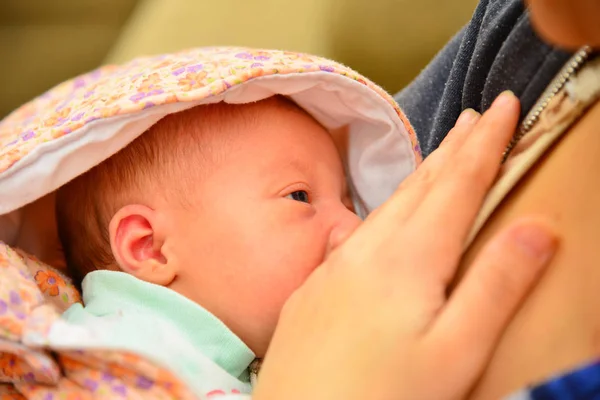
(159, 160)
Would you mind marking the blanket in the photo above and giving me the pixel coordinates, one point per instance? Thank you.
(32, 297)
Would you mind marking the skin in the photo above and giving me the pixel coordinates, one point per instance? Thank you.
(522, 357)
(246, 244)
(44, 242)
(537, 316)
(247, 287)
(374, 320)
(558, 327)
(567, 23)
(406, 321)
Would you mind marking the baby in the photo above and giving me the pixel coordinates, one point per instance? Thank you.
(229, 206)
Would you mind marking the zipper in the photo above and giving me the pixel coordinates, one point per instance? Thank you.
(254, 370)
(572, 66)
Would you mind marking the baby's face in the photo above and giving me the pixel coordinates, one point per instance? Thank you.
(267, 216)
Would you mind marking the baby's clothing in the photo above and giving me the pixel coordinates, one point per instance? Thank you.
(125, 313)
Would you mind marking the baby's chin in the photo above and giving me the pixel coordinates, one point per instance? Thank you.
(256, 331)
(259, 344)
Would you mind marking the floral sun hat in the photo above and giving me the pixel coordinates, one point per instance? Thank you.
(81, 122)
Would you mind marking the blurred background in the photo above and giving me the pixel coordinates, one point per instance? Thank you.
(43, 42)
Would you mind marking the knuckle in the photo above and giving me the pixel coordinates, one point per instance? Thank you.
(472, 172)
(450, 138)
(422, 176)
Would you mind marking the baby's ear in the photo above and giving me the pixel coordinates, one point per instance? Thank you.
(137, 240)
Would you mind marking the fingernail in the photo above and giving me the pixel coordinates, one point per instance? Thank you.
(504, 98)
(467, 116)
(536, 241)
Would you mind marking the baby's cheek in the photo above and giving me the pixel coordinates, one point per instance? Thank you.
(288, 258)
(280, 285)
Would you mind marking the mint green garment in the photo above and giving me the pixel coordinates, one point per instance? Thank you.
(123, 312)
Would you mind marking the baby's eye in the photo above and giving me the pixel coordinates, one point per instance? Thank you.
(299, 195)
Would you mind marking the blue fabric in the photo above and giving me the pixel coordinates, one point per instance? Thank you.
(582, 384)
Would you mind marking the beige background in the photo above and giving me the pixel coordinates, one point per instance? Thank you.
(43, 42)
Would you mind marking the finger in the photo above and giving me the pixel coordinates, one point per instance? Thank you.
(457, 194)
(479, 310)
(457, 135)
(414, 188)
(496, 127)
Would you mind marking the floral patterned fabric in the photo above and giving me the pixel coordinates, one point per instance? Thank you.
(79, 123)
(147, 82)
(32, 297)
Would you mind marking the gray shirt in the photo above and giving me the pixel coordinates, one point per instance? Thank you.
(496, 51)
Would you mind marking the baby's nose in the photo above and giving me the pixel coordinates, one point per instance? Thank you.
(343, 227)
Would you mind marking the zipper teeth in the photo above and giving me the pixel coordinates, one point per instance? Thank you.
(557, 84)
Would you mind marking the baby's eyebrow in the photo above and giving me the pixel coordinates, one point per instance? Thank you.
(276, 169)
(298, 163)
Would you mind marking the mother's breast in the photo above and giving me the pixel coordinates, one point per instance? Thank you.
(558, 326)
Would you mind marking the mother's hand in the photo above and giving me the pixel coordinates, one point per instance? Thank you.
(374, 321)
